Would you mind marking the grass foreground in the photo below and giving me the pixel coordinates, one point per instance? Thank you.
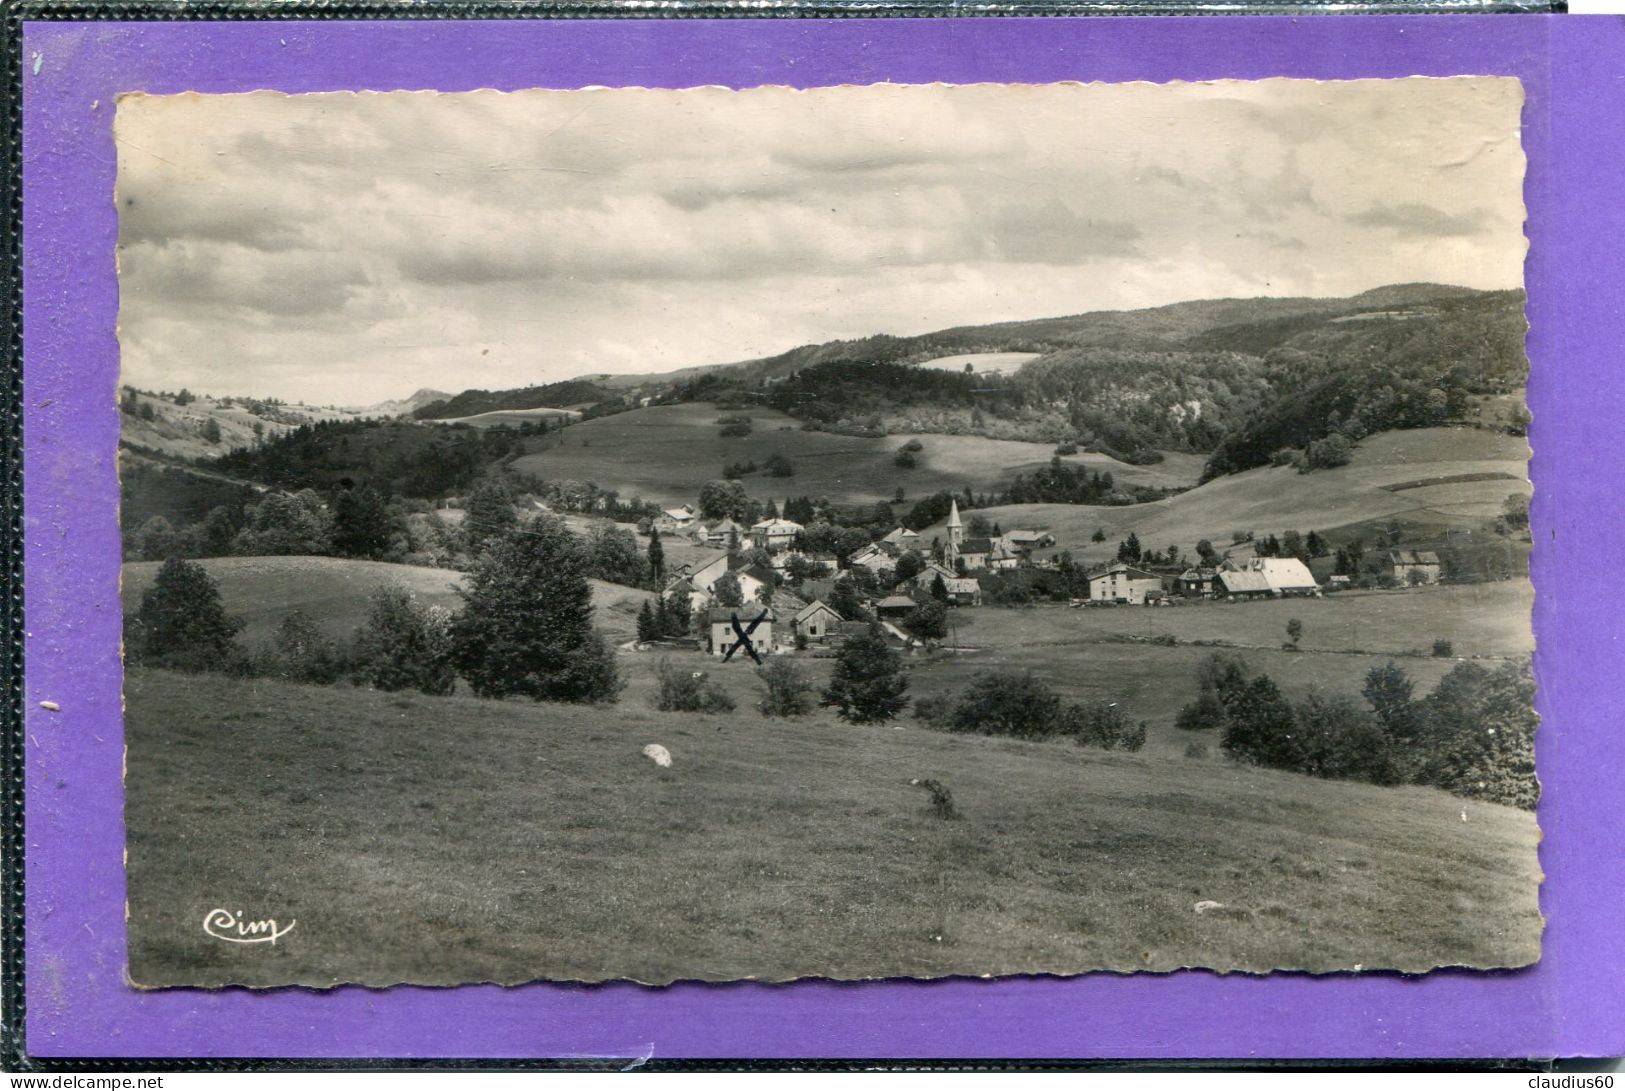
(448, 840)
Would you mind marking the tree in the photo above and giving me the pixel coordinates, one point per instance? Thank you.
(155, 541)
(726, 591)
(1334, 450)
(909, 565)
(181, 623)
(845, 600)
(1390, 692)
(778, 466)
(678, 613)
(1315, 544)
(1260, 726)
(362, 526)
(648, 627)
(867, 684)
(404, 644)
(614, 557)
(1007, 702)
(1128, 550)
(488, 515)
(526, 627)
(939, 589)
(928, 621)
(1204, 550)
(657, 555)
(211, 431)
(185, 397)
(722, 499)
(1478, 734)
(1099, 535)
(1294, 630)
(1292, 545)
(1339, 740)
(218, 529)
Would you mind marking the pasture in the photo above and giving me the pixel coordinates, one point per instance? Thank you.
(997, 363)
(446, 840)
(665, 453)
(1274, 499)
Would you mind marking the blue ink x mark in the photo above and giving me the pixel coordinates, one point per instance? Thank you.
(744, 638)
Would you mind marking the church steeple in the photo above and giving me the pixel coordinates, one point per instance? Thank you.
(956, 534)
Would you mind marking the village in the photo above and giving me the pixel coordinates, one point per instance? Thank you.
(793, 600)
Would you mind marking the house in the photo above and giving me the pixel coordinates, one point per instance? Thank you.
(963, 591)
(925, 577)
(774, 534)
(1121, 583)
(979, 553)
(1022, 542)
(902, 539)
(1412, 567)
(873, 558)
(753, 579)
(815, 621)
(895, 606)
(1241, 583)
(724, 534)
(676, 520)
(1195, 583)
(756, 620)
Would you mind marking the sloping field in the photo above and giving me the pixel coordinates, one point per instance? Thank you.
(1279, 498)
(334, 592)
(665, 453)
(452, 840)
(513, 417)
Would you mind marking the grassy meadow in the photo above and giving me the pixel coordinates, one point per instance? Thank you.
(1278, 498)
(665, 453)
(443, 840)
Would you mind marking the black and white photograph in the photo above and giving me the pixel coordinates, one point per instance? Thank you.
(891, 531)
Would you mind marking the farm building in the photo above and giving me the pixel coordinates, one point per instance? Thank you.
(774, 534)
(1410, 566)
(724, 534)
(1195, 583)
(1120, 583)
(755, 620)
(815, 621)
(895, 606)
(676, 520)
(1265, 577)
(1025, 541)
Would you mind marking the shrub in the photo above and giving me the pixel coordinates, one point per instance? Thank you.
(1014, 703)
(1066, 447)
(787, 690)
(735, 429)
(935, 711)
(942, 800)
(867, 685)
(155, 541)
(905, 460)
(1206, 713)
(1443, 649)
(181, 623)
(1285, 456)
(404, 644)
(914, 445)
(1105, 725)
(1341, 741)
(1323, 454)
(779, 466)
(682, 690)
(526, 627)
(1196, 751)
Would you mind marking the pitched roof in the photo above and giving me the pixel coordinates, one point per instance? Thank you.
(678, 513)
(814, 607)
(1026, 535)
(777, 524)
(976, 545)
(1284, 573)
(1244, 581)
(953, 514)
(746, 614)
(895, 602)
(1127, 572)
(900, 534)
(1411, 556)
(957, 586)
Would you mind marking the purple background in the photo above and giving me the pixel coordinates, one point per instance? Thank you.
(78, 1002)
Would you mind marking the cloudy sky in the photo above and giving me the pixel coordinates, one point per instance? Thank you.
(342, 248)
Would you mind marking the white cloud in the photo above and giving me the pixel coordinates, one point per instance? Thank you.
(346, 248)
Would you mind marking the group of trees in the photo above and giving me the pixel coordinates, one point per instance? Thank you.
(1474, 735)
(1021, 705)
(525, 629)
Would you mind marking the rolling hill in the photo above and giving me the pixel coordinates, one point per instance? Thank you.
(155, 423)
(1278, 498)
(334, 593)
(665, 453)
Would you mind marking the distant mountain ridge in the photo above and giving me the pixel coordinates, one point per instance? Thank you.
(405, 407)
